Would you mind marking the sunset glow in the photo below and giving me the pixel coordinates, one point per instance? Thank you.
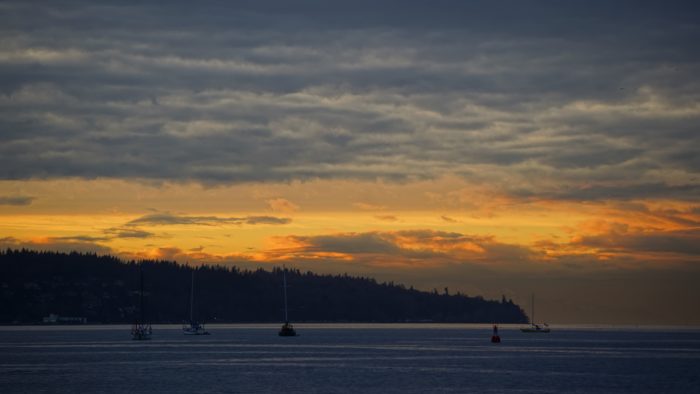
(433, 151)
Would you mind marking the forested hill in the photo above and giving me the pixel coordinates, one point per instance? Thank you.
(104, 289)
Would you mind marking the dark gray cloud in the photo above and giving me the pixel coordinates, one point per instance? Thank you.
(110, 234)
(679, 241)
(363, 243)
(129, 232)
(169, 219)
(166, 219)
(421, 246)
(623, 246)
(16, 200)
(267, 220)
(623, 191)
(79, 238)
(593, 93)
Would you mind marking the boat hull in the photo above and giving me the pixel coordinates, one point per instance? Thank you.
(194, 329)
(287, 331)
(141, 332)
(535, 330)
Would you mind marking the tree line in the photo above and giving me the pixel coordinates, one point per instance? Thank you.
(105, 289)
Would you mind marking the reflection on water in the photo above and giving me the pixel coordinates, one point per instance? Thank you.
(356, 358)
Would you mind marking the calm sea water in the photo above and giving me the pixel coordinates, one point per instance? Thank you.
(349, 359)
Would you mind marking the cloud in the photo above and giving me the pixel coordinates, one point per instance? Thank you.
(448, 219)
(79, 238)
(368, 207)
(110, 234)
(67, 244)
(282, 205)
(266, 220)
(685, 242)
(592, 248)
(16, 200)
(191, 256)
(119, 232)
(387, 218)
(419, 247)
(348, 243)
(529, 104)
(168, 219)
(618, 191)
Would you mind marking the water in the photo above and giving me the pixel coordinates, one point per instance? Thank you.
(349, 359)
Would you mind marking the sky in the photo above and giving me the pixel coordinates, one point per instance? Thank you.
(487, 147)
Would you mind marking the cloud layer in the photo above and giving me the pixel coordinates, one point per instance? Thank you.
(586, 101)
(16, 200)
(169, 219)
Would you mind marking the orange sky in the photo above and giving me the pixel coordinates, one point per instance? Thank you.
(535, 148)
(432, 233)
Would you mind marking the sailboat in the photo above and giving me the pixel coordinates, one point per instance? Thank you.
(287, 329)
(193, 327)
(140, 330)
(544, 328)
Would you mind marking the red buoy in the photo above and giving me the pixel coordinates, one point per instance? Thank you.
(495, 338)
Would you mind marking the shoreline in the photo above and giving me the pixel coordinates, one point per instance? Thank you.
(356, 326)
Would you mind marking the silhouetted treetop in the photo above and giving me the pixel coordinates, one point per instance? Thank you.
(105, 289)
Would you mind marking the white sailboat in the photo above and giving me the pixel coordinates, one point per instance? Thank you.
(193, 327)
(287, 329)
(544, 328)
(140, 330)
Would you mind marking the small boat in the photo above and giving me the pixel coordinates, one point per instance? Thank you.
(544, 328)
(193, 327)
(287, 329)
(141, 331)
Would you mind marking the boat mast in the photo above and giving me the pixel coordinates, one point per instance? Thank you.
(192, 299)
(141, 294)
(284, 279)
(533, 309)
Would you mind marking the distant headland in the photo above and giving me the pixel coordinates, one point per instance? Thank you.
(46, 287)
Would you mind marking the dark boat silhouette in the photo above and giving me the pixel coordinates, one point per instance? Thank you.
(140, 330)
(193, 327)
(287, 329)
(536, 328)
